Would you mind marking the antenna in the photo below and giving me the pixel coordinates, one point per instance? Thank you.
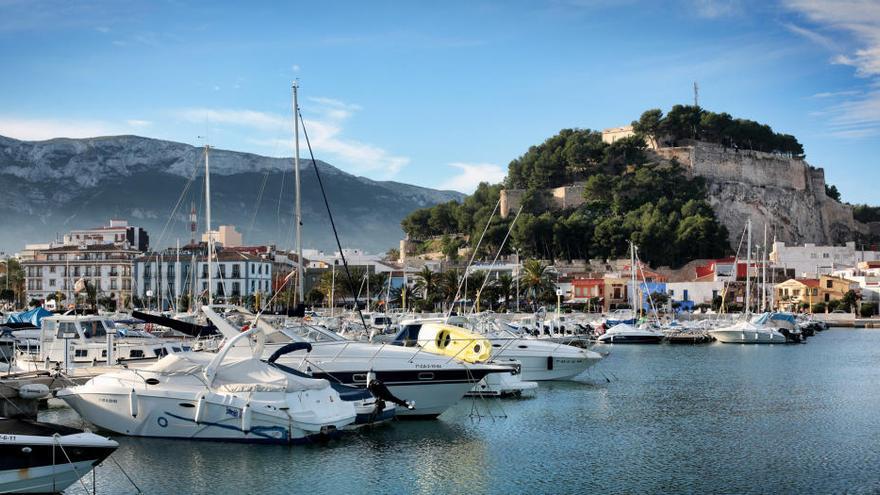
(696, 94)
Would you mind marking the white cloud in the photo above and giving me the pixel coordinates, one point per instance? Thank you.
(858, 116)
(836, 94)
(325, 124)
(29, 129)
(811, 35)
(471, 174)
(138, 123)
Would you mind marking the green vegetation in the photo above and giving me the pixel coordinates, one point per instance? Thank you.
(865, 213)
(629, 198)
(832, 192)
(684, 123)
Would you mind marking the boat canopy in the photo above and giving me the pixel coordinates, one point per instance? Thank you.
(236, 375)
(34, 316)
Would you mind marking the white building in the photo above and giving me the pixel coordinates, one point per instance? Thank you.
(354, 257)
(118, 232)
(165, 277)
(867, 275)
(225, 235)
(696, 292)
(106, 266)
(811, 260)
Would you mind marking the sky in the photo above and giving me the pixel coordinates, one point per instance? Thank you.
(441, 94)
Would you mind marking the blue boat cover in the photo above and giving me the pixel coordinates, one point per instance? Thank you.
(34, 316)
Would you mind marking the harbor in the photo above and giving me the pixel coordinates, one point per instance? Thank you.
(696, 419)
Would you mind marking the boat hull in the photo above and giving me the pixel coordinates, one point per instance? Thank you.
(40, 464)
(748, 336)
(631, 339)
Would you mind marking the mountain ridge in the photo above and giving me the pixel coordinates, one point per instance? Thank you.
(88, 180)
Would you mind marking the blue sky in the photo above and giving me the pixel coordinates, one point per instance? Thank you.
(441, 94)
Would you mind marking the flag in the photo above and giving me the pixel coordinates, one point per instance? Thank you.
(79, 286)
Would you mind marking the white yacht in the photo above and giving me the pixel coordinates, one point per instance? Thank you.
(539, 359)
(204, 396)
(430, 383)
(75, 341)
(628, 334)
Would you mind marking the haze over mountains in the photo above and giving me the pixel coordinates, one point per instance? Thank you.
(50, 187)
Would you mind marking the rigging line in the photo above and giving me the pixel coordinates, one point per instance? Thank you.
(501, 248)
(333, 222)
(250, 229)
(186, 187)
(473, 255)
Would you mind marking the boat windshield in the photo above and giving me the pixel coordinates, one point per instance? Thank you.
(310, 333)
(92, 329)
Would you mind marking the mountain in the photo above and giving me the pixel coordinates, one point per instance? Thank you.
(50, 187)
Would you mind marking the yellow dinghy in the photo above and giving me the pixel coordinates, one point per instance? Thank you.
(452, 341)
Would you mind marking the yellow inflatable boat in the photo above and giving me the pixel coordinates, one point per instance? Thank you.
(452, 341)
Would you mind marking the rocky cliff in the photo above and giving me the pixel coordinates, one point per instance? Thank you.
(786, 194)
(50, 187)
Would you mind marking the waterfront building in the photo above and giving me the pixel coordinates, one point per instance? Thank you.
(117, 232)
(163, 278)
(867, 275)
(811, 260)
(689, 295)
(54, 272)
(793, 293)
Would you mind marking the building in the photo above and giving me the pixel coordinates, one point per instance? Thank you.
(867, 275)
(225, 235)
(562, 197)
(793, 293)
(811, 260)
(162, 278)
(614, 133)
(118, 233)
(689, 295)
(107, 267)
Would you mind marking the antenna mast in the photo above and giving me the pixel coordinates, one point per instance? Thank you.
(696, 94)
(299, 255)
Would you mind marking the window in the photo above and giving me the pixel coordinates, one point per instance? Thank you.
(204, 286)
(815, 291)
(236, 289)
(52, 269)
(252, 285)
(828, 284)
(796, 292)
(113, 284)
(170, 270)
(205, 271)
(825, 255)
(126, 284)
(220, 290)
(827, 297)
(253, 268)
(236, 271)
(148, 271)
(686, 295)
(52, 282)
(81, 353)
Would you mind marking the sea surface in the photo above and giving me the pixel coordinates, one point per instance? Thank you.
(717, 418)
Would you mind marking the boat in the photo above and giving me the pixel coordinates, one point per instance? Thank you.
(201, 396)
(628, 334)
(429, 383)
(73, 341)
(746, 332)
(47, 458)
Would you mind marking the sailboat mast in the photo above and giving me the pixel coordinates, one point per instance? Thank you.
(764, 261)
(748, 266)
(298, 215)
(632, 275)
(208, 225)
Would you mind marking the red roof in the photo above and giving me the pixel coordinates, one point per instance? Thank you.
(809, 282)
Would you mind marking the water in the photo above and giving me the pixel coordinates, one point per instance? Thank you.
(716, 418)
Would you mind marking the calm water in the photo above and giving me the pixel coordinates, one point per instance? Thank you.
(649, 419)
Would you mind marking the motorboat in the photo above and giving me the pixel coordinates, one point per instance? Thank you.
(72, 341)
(768, 328)
(196, 395)
(628, 334)
(47, 458)
(539, 359)
(429, 383)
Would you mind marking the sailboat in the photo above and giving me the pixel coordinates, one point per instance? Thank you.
(624, 333)
(748, 332)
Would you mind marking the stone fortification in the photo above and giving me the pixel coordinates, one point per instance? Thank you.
(786, 194)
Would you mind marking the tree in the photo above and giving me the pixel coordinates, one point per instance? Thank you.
(506, 285)
(850, 300)
(832, 192)
(660, 299)
(648, 125)
(536, 279)
(426, 285)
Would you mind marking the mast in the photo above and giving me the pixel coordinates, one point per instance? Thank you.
(632, 274)
(748, 263)
(176, 278)
(764, 260)
(208, 224)
(298, 215)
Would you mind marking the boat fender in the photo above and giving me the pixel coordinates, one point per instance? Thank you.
(133, 403)
(33, 391)
(371, 375)
(549, 363)
(380, 391)
(201, 409)
(246, 418)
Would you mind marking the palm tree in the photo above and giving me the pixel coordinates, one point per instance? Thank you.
(449, 285)
(505, 284)
(536, 279)
(426, 285)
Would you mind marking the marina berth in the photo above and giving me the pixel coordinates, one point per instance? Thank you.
(628, 334)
